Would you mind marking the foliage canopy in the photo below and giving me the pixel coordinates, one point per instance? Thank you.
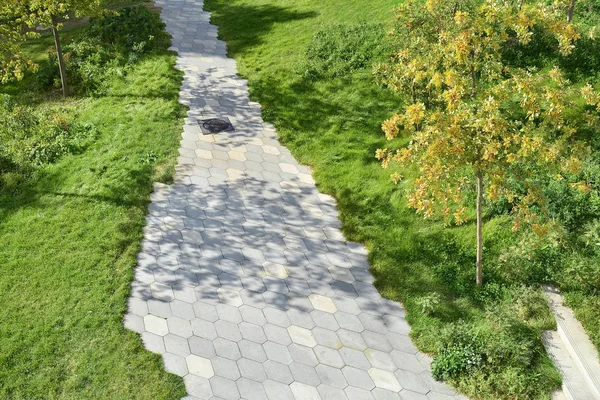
(472, 117)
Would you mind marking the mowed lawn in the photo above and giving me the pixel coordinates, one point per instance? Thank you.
(69, 236)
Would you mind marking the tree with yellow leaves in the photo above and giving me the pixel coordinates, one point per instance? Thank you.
(473, 121)
(13, 63)
(40, 13)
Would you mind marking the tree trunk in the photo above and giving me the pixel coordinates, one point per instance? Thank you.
(479, 276)
(61, 60)
(571, 11)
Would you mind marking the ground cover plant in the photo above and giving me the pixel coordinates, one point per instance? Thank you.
(321, 94)
(75, 178)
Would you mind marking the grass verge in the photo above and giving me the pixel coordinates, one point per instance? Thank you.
(70, 232)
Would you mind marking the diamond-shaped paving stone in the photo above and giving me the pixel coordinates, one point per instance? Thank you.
(277, 334)
(278, 372)
(224, 388)
(226, 348)
(385, 380)
(358, 377)
(304, 392)
(278, 352)
(252, 350)
(252, 332)
(303, 355)
(304, 374)
(228, 330)
(382, 394)
(179, 327)
(204, 329)
(277, 317)
(380, 359)
(331, 376)
(252, 370)
(175, 364)
(251, 390)
(199, 366)
(177, 345)
(278, 391)
(156, 325)
(198, 386)
(302, 336)
(354, 358)
(329, 356)
(326, 338)
(322, 303)
(229, 313)
(225, 368)
(358, 394)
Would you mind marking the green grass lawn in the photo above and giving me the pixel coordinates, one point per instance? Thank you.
(334, 125)
(69, 235)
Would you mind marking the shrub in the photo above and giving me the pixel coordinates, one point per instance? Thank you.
(501, 347)
(341, 50)
(33, 137)
(107, 48)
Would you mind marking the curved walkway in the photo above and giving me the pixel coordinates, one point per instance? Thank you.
(245, 283)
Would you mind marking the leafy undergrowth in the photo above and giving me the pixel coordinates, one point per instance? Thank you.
(309, 63)
(75, 180)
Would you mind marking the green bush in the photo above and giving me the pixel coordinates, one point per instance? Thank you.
(108, 47)
(130, 27)
(33, 137)
(500, 348)
(341, 50)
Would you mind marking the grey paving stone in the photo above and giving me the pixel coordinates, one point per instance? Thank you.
(304, 374)
(179, 327)
(354, 358)
(410, 395)
(225, 368)
(331, 393)
(177, 345)
(331, 376)
(303, 355)
(278, 372)
(358, 377)
(278, 353)
(204, 329)
(277, 317)
(198, 386)
(277, 334)
(329, 357)
(134, 323)
(252, 332)
(326, 338)
(175, 364)
(182, 309)
(355, 393)
(245, 284)
(251, 390)
(224, 388)
(202, 347)
(278, 391)
(252, 350)
(229, 313)
(412, 381)
(252, 369)
(156, 325)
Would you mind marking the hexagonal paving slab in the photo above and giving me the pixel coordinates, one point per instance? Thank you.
(245, 284)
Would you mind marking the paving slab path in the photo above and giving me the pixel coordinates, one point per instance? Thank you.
(245, 284)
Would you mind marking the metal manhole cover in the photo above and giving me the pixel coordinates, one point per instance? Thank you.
(215, 125)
